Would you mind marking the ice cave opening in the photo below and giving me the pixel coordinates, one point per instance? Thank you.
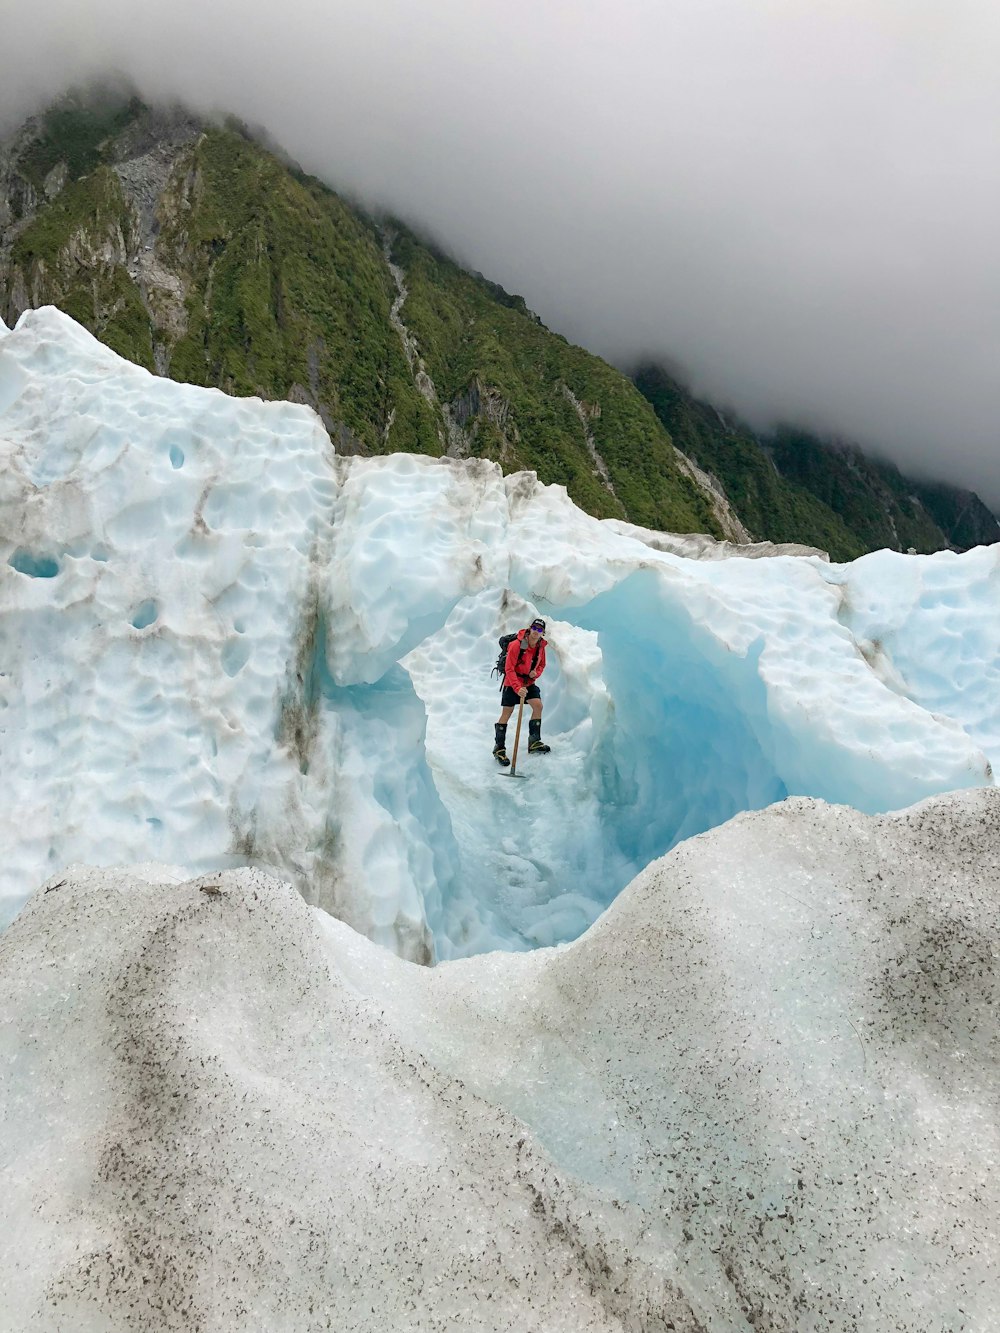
(659, 732)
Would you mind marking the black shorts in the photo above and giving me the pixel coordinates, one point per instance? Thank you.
(510, 698)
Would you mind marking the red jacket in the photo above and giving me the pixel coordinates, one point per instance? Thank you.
(518, 663)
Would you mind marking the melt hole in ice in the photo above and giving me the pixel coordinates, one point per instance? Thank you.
(34, 566)
(145, 615)
(176, 456)
(234, 656)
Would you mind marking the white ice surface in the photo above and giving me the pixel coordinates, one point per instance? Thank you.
(760, 1093)
(220, 645)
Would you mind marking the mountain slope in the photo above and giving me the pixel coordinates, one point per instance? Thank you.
(527, 398)
(874, 497)
(794, 487)
(767, 502)
(193, 250)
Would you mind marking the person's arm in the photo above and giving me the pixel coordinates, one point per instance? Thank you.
(510, 676)
(540, 664)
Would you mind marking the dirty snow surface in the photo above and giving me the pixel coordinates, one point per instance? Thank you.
(760, 1093)
(222, 645)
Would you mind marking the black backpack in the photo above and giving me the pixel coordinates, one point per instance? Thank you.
(505, 641)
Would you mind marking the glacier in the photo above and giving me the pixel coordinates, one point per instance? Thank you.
(710, 1043)
(222, 645)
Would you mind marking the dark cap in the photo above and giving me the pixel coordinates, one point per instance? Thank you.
(539, 625)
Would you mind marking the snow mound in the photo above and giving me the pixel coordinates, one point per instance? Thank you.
(223, 645)
(760, 1093)
(207, 1126)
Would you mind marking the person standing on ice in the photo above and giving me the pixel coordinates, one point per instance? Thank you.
(525, 662)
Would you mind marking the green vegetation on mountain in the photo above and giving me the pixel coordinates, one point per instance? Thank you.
(959, 513)
(287, 286)
(791, 486)
(768, 504)
(871, 497)
(73, 133)
(479, 343)
(254, 277)
(76, 251)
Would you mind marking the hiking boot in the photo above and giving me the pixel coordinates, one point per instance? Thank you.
(535, 743)
(500, 755)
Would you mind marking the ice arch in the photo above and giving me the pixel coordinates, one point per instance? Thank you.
(689, 747)
(676, 697)
(653, 741)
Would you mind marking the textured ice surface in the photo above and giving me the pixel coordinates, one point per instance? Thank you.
(760, 1093)
(222, 645)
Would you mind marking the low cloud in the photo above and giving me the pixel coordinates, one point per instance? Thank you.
(798, 202)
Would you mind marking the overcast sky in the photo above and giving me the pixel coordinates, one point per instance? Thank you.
(798, 201)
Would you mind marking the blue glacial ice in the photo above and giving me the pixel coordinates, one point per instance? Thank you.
(248, 650)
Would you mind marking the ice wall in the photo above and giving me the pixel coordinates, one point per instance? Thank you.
(221, 644)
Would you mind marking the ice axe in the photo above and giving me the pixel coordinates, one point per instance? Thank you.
(517, 736)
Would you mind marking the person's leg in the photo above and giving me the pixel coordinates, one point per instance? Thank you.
(500, 727)
(535, 743)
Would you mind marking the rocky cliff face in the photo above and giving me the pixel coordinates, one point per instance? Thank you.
(81, 233)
